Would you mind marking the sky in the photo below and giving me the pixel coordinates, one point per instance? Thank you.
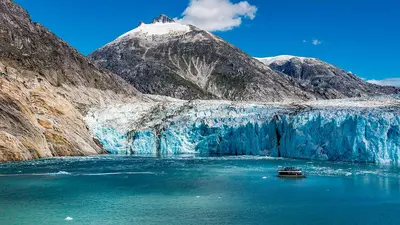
(361, 36)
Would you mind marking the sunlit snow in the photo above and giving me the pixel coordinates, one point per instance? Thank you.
(158, 28)
(279, 59)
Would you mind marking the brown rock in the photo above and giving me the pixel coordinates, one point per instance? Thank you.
(45, 123)
(46, 80)
(98, 143)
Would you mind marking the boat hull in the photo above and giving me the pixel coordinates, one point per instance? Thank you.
(292, 176)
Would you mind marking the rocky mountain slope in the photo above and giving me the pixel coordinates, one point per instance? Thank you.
(45, 89)
(183, 61)
(325, 79)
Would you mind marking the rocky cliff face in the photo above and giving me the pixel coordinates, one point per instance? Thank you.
(324, 79)
(182, 61)
(45, 88)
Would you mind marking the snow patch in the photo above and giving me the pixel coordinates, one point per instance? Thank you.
(195, 69)
(280, 59)
(158, 28)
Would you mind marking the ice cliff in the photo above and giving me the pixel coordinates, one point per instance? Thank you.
(356, 130)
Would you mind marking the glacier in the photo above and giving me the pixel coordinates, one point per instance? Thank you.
(351, 130)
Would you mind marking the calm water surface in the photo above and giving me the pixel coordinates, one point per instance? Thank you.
(194, 190)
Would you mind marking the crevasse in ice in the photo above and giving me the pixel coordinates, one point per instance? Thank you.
(334, 132)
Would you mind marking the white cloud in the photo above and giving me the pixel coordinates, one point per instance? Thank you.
(386, 82)
(316, 42)
(217, 15)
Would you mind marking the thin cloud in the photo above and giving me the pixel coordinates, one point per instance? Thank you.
(217, 15)
(386, 82)
(316, 42)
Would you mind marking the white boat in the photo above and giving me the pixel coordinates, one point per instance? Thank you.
(291, 172)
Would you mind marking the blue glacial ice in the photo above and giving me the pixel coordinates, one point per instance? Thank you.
(332, 130)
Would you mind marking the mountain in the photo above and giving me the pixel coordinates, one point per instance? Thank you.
(54, 102)
(183, 61)
(325, 79)
(46, 87)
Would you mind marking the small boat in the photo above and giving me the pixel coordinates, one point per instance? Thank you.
(291, 172)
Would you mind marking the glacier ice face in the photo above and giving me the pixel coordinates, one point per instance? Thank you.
(355, 136)
(351, 131)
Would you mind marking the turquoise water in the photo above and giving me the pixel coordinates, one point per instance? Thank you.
(191, 190)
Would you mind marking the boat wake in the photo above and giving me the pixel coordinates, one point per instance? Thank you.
(63, 173)
(118, 173)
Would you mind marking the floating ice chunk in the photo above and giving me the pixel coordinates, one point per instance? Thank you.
(63, 173)
(60, 173)
(69, 218)
(264, 177)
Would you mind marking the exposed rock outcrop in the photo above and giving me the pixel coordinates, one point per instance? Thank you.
(46, 86)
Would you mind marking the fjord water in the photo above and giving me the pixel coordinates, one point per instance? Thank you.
(195, 190)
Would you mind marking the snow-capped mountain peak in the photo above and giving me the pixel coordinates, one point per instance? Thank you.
(325, 78)
(280, 58)
(161, 25)
(162, 19)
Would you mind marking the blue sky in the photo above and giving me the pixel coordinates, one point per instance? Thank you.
(361, 36)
